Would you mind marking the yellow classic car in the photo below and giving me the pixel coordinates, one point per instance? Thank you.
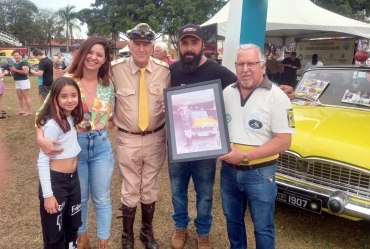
(203, 124)
(33, 61)
(327, 167)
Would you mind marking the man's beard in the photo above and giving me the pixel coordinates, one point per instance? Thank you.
(190, 65)
(247, 85)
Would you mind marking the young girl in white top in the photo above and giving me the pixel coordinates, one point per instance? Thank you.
(59, 189)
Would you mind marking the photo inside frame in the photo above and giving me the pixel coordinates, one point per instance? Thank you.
(196, 122)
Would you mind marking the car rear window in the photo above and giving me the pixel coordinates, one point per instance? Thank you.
(342, 87)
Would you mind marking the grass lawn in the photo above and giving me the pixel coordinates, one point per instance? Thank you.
(19, 205)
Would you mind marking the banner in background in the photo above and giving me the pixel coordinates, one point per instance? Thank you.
(330, 52)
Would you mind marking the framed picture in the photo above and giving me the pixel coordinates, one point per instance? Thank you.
(196, 122)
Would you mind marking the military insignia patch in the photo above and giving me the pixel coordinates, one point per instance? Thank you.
(117, 61)
(290, 115)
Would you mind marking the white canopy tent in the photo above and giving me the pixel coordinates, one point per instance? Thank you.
(289, 19)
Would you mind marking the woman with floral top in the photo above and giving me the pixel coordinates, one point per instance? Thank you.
(90, 70)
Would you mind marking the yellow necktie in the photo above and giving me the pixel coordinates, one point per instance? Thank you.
(143, 122)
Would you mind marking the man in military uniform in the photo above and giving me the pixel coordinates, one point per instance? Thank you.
(187, 123)
(141, 137)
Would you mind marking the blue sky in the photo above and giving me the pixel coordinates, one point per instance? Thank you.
(57, 4)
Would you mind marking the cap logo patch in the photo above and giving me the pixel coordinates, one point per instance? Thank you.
(189, 30)
(255, 124)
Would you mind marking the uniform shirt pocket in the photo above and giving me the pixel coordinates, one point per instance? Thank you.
(155, 98)
(127, 96)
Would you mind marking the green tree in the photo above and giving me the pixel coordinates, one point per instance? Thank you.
(17, 18)
(111, 17)
(48, 25)
(355, 9)
(68, 15)
(74, 28)
(181, 12)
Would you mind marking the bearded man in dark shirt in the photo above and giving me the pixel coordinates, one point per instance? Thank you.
(193, 67)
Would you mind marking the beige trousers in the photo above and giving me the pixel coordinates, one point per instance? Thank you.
(140, 159)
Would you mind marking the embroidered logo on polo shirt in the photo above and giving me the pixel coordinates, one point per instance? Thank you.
(255, 124)
(228, 118)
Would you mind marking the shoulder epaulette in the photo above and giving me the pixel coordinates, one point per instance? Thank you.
(159, 62)
(117, 61)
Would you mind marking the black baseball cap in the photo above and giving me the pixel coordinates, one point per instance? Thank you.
(192, 30)
(74, 47)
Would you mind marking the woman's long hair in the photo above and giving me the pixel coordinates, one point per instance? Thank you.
(79, 60)
(315, 59)
(52, 109)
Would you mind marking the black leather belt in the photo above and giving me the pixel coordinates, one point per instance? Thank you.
(143, 133)
(250, 167)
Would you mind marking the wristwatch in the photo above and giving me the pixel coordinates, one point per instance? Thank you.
(245, 158)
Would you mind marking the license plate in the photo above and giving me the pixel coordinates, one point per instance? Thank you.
(299, 200)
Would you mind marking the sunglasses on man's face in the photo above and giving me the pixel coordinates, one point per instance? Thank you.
(87, 125)
(137, 34)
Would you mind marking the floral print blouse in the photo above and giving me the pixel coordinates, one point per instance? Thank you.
(102, 109)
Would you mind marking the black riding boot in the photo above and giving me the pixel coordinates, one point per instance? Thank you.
(146, 233)
(128, 218)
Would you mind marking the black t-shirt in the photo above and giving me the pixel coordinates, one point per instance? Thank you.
(208, 71)
(46, 65)
(289, 72)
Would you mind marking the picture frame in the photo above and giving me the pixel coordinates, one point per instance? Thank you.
(196, 122)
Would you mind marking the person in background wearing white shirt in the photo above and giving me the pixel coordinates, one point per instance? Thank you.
(314, 63)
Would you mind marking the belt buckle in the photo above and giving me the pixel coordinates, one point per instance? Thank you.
(142, 133)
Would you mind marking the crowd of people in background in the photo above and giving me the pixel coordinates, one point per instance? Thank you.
(279, 70)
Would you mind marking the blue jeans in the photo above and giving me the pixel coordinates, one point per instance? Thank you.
(203, 173)
(257, 189)
(95, 168)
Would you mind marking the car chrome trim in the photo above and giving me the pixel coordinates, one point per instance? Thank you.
(313, 158)
(325, 173)
(336, 106)
(352, 208)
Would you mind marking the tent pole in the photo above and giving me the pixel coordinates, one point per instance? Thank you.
(253, 22)
(284, 40)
